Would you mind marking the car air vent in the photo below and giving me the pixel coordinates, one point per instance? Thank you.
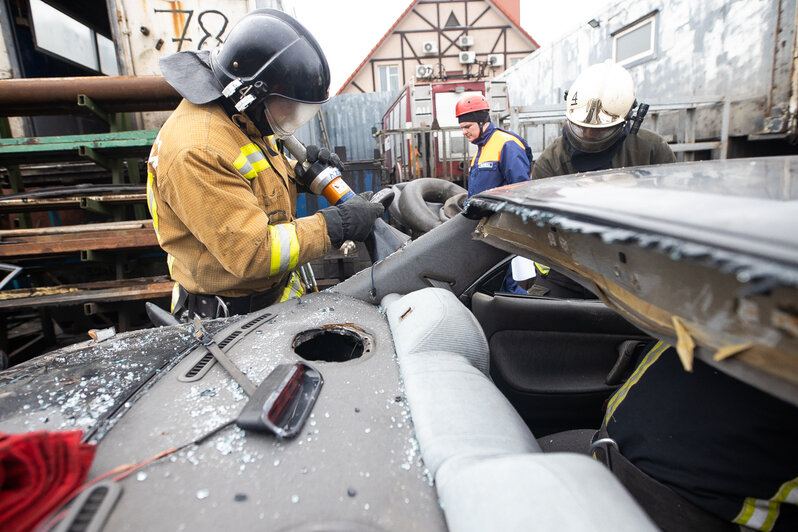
(199, 369)
(256, 320)
(229, 339)
(199, 365)
(91, 509)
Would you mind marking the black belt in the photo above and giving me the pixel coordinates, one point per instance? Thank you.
(669, 510)
(210, 306)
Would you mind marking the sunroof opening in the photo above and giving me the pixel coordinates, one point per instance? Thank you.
(331, 344)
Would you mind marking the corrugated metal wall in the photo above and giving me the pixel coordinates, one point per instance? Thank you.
(349, 119)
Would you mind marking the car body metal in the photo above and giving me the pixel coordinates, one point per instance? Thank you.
(702, 253)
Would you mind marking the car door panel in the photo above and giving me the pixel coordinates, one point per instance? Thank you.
(551, 358)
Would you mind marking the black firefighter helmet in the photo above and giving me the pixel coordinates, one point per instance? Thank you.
(269, 68)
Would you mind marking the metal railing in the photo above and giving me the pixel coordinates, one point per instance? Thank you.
(417, 152)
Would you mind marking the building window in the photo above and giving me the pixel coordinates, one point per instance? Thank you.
(61, 35)
(636, 42)
(389, 78)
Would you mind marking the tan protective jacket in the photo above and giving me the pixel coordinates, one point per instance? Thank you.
(223, 204)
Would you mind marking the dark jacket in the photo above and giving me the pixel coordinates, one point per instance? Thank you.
(720, 443)
(640, 149)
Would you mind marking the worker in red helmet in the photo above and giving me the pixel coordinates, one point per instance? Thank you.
(502, 157)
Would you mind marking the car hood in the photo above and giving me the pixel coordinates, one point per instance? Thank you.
(148, 394)
(703, 255)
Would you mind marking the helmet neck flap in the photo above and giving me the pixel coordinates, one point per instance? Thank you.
(593, 140)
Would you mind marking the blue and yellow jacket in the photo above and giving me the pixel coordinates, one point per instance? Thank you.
(502, 158)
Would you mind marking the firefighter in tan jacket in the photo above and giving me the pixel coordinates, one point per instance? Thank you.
(221, 193)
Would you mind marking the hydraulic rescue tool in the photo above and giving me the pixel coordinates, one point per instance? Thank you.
(325, 180)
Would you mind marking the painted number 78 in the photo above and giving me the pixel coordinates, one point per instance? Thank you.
(203, 21)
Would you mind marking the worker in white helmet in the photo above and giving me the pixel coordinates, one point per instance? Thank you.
(602, 128)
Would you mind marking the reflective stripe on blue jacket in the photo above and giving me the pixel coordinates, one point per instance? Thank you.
(502, 158)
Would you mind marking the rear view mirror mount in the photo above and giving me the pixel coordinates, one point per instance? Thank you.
(282, 402)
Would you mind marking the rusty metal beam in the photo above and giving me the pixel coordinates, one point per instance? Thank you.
(14, 205)
(80, 294)
(21, 244)
(112, 94)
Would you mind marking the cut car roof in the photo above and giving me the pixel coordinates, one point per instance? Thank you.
(701, 254)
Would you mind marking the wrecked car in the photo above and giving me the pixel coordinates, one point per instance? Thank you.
(414, 395)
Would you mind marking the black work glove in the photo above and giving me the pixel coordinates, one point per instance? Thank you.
(317, 160)
(323, 156)
(352, 220)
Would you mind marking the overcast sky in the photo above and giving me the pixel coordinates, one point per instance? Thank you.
(347, 30)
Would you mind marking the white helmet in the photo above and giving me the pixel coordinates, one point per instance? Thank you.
(598, 105)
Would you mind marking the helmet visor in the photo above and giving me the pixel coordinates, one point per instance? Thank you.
(593, 114)
(285, 115)
(592, 139)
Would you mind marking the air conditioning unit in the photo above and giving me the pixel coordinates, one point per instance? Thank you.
(495, 60)
(466, 58)
(465, 41)
(430, 47)
(423, 71)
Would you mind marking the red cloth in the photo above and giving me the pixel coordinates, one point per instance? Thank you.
(38, 471)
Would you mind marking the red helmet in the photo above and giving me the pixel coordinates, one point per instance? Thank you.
(470, 103)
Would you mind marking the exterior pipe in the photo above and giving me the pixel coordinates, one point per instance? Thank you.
(53, 96)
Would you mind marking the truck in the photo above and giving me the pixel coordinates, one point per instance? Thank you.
(719, 75)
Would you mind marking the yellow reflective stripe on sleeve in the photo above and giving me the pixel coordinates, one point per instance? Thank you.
(261, 165)
(542, 268)
(175, 296)
(251, 161)
(242, 165)
(285, 248)
(294, 289)
(758, 514)
(151, 205)
(761, 514)
(788, 492)
(170, 262)
(620, 395)
(271, 144)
